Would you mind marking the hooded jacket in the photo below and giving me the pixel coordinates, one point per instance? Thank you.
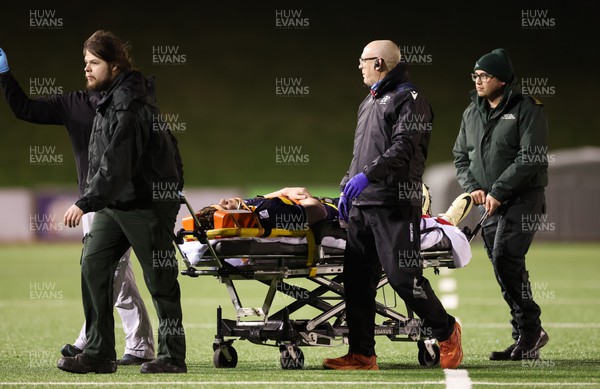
(390, 143)
(129, 161)
(503, 151)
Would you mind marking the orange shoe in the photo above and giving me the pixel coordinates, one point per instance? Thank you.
(451, 353)
(351, 361)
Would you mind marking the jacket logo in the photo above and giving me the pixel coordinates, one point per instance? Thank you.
(414, 94)
(508, 116)
(384, 100)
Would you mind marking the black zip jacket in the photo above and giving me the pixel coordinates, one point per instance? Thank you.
(390, 143)
(73, 110)
(129, 161)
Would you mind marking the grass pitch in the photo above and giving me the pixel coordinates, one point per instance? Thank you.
(40, 310)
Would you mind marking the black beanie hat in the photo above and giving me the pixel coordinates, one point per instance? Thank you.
(497, 63)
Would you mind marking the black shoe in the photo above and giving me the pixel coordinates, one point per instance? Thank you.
(81, 364)
(129, 359)
(160, 366)
(503, 355)
(529, 347)
(69, 350)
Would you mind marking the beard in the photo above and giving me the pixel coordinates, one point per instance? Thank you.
(100, 85)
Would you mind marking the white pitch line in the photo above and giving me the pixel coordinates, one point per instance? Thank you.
(324, 383)
(228, 383)
(457, 379)
(447, 285)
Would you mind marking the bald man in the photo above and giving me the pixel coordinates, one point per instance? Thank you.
(380, 200)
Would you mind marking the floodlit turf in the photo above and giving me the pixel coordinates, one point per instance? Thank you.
(40, 310)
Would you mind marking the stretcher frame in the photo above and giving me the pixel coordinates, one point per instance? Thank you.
(258, 325)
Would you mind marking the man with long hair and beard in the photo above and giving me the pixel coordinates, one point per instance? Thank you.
(128, 163)
(75, 111)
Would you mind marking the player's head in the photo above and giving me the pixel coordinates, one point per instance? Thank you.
(205, 216)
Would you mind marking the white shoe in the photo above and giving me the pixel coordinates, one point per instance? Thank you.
(459, 209)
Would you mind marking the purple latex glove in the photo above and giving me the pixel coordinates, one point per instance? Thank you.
(343, 208)
(356, 185)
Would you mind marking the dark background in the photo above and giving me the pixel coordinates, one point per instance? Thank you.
(224, 93)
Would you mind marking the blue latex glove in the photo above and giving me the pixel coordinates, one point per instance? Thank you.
(356, 185)
(3, 62)
(343, 208)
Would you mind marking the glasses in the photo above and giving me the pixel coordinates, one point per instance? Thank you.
(363, 60)
(484, 77)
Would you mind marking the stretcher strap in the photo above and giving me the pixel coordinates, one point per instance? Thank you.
(257, 233)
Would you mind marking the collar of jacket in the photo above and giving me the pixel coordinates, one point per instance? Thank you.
(126, 87)
(396, 76)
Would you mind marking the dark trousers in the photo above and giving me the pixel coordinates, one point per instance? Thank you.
(149, 232)
(507, 236)
(387, 238)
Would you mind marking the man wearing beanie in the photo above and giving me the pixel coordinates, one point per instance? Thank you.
(500, 156)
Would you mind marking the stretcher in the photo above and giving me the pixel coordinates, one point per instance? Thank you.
(238, 253)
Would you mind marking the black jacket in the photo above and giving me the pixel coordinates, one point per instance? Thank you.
(130, 162)
(503, 151)
(391, 141)
(73, 110)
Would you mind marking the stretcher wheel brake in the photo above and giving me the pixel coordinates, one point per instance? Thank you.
(426, 349)
(292, 358)
(225, 356)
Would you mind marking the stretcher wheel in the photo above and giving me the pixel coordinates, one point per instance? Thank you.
(288, 362)
(225, 357)
(425, 357)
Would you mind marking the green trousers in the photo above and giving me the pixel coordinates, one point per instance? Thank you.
(149, 233)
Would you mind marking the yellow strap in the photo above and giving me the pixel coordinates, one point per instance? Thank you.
(255, 232)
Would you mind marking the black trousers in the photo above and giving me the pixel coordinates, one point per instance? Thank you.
(388, 239)
(149, 232)
(507, 236)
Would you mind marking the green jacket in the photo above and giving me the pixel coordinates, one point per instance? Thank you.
(503, 151)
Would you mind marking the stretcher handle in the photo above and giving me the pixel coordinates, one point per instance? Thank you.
(478, 226)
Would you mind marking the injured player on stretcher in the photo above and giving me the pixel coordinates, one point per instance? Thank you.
(295, 208)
